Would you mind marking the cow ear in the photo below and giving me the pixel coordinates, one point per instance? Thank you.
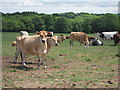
(48, 33)
(37, 32)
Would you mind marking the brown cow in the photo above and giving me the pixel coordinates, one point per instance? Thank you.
(34, 45)
(116, 38)
(80, 37)
(61, 38)
(14, 43)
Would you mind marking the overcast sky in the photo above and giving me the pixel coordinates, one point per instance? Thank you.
(60, 6)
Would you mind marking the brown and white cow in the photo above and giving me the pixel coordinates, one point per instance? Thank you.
(116, 38)
(80, 37)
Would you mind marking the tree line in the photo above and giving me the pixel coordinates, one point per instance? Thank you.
(60, 22)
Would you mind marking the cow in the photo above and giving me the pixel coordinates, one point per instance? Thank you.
(80, 37)
(14, 43)
(51, 42)
(34, 45)
(61, 38)
(116, 38)
(49, 34)
(94, 41)
(106, 35)
(23, 33)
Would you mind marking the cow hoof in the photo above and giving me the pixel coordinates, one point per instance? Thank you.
(45, 67)
(24, 64)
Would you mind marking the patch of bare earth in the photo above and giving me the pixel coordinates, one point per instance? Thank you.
(16, 76)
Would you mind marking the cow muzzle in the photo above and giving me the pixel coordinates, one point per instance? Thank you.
(43, 41)
(56, 44)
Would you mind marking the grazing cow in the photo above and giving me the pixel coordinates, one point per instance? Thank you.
(94, 41)
(35, 45)
(107, 35)
(116, 38)
(61, 38)
(80, 37)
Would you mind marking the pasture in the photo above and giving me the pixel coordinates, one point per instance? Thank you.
(67, 67)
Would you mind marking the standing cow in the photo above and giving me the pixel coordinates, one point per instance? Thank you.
(80, 37)
(106, 35)
(116, 38)
(38, 45)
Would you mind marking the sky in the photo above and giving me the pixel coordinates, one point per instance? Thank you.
(59, 6)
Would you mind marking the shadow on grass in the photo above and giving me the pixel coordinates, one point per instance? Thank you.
(21, 63)
(21, 68)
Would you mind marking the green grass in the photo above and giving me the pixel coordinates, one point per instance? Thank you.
(78, 64)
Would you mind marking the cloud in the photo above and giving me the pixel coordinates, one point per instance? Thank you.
(50, 6)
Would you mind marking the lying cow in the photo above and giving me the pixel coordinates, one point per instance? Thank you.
(94, 41)
(80, 37)
(107, 35)
(61, 38)
(35, 45)
(116, 38)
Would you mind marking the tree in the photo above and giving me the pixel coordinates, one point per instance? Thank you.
(28, 24)
(62, 25)
(110, 22)
(49, 22)
(38, 24)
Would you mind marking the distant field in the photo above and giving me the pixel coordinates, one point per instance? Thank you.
(67, 67)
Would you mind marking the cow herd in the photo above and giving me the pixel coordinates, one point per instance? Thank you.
(41, 43)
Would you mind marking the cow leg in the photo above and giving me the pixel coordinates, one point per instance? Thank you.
(16, 55)
(38, 61)
(71, 43)
(23, 58)
(43, 61)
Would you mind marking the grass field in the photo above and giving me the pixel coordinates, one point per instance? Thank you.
(67, 67)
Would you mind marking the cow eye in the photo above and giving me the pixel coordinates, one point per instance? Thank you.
(41, 36)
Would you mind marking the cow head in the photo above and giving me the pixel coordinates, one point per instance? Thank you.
(63, 37)
(52, 41)
(42, 34)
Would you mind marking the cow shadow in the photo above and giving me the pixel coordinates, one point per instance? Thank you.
(21, 68)
(21, 63)
(18, 65)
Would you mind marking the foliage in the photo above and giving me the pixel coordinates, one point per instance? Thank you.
(59, 22)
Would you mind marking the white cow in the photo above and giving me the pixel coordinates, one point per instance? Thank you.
(107, 35)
